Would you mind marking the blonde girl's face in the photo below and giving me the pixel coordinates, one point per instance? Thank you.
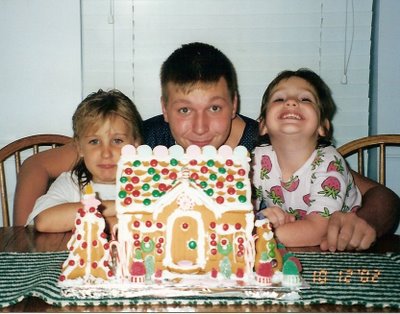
(293, 110)
(100, 147)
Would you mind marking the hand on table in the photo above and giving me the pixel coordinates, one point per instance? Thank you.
(347, 231)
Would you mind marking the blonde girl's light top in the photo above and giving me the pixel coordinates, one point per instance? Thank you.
(65, 189)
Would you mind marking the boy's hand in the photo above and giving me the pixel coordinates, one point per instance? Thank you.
(347, 231)
(277, 216)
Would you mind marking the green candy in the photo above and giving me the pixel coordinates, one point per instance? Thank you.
(239, 185)
(192, 245)
(242, 199)
(147, 246)
(224, 251)
(136, 163)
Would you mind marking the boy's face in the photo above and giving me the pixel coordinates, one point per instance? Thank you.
(101, 147)
(200, 116)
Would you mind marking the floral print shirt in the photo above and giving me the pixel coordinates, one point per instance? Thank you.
(322, 185)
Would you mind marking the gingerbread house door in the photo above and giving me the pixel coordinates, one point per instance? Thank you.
(186, 242)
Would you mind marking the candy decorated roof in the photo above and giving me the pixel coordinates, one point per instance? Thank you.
(219, 177)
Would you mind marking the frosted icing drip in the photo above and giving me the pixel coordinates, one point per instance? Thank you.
(250, 253)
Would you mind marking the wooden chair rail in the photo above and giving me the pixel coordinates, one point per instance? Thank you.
(14, 150)
(358, 147)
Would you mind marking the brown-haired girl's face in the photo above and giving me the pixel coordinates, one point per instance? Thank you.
(293, 108)
(100, 147)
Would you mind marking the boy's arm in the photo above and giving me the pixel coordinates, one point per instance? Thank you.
(378, 215)
(35, 175)
(381, 206)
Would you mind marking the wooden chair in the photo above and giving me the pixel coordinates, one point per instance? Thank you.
(361, 145)
(15, 150)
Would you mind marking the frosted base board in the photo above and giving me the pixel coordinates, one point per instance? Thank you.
(179, 288)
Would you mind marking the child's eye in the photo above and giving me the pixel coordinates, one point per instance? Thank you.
(118, 141)
(305, 99)
(94, 142)
(279, 99)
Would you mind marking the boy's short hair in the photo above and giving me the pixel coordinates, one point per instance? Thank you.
(197, 63)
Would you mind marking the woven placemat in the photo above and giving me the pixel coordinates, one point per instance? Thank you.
(372, 280)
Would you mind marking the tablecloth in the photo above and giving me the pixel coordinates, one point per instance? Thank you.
(371, 280)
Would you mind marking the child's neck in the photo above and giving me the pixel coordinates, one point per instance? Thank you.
(292, 153)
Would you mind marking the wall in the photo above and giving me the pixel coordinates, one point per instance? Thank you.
(40, 68)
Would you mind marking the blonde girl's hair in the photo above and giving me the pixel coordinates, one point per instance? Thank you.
(93, 111)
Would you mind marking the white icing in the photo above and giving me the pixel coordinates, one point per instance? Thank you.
(268, 235)
(193, 151)
(128, 150)
(144, 151)
(260, 222)
(241, 153)
(176, 152)
(209, 152)
(160, 152)
(225, 151)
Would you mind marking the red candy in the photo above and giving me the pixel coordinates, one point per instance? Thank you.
(128, 171)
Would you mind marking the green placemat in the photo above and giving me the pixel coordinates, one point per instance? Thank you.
(372, 280)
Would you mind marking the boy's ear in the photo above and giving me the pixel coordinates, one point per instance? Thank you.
(235, 106)
(163, 108)
(324, 127)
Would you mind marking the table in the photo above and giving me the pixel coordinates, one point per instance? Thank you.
(20, 239)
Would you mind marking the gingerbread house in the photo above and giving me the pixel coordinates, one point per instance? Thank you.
(187, 212)
(183, 217)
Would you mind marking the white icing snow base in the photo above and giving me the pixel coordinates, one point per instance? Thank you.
(179, 287)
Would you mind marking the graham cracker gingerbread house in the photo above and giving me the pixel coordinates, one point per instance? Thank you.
(187, 212)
